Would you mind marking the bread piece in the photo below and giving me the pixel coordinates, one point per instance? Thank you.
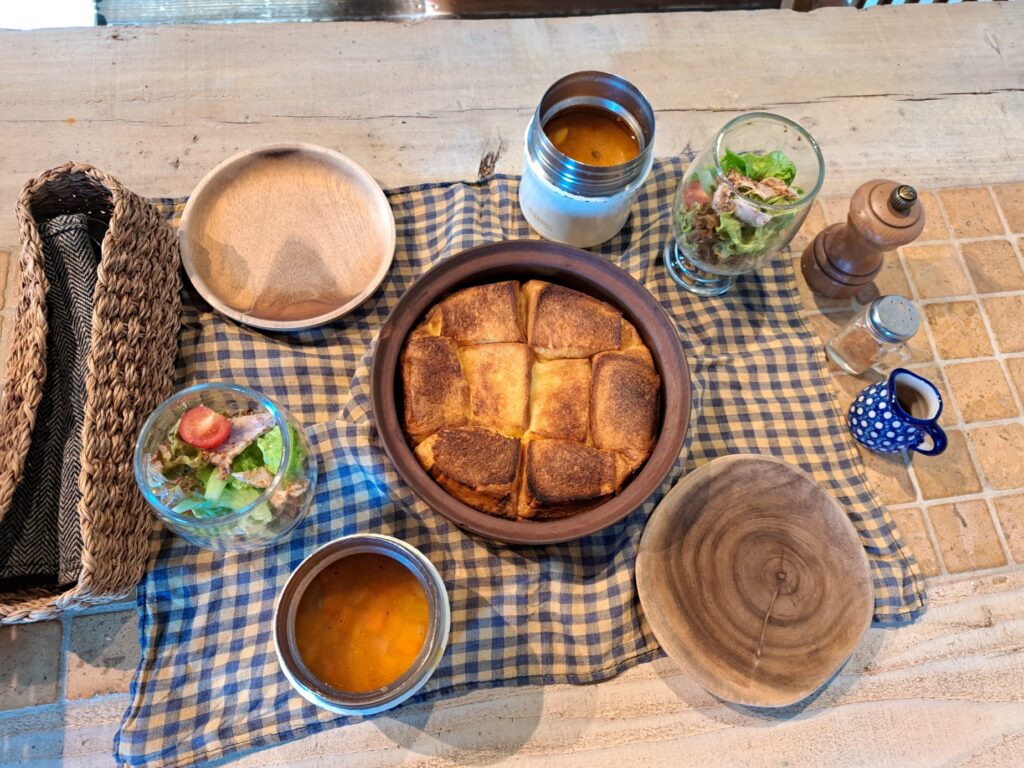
(634, 345)
(430, 326)
(560, 478)
(482, 314)
(436, 394)
(559, 399)
(476, 466)
(624, 398)
(499, 386)
(561, 322)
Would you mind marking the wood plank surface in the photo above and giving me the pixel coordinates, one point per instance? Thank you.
(928, 94)
(946, 691)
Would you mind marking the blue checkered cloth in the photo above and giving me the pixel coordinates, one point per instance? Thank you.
(209, 684)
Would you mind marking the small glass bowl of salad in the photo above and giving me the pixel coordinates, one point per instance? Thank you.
(741, 201)
(225, 467)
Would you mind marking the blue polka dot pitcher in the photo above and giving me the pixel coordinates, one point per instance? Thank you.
(899, 413)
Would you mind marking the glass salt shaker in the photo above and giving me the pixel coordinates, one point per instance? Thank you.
(883, 327)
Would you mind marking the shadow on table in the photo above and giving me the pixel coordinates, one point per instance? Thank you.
(829, 694)
(477, 726)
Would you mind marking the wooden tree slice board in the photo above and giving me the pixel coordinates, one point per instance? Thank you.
(754, 580)
(287, 236)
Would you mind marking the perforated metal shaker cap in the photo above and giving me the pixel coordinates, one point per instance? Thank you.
(893, 318)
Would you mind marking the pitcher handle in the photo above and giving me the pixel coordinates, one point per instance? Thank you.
(939, 441)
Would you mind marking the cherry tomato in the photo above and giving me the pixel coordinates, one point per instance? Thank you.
(693, 193)
(203, 427)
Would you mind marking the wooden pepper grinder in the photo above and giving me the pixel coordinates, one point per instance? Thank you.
(843, 258)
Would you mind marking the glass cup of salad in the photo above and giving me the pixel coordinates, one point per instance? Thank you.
(225, 467)
(741, 201)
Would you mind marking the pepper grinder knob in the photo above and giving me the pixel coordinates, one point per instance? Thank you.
(902, 198)
(843, 258)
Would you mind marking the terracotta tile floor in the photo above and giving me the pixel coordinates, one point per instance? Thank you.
(960, 512)
(964, 510)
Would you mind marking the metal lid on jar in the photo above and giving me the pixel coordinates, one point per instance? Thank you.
(893, 318)
(606, 92)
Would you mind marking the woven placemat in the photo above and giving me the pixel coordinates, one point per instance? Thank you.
(209, 684)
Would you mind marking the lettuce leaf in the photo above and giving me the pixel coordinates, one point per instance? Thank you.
(686, 218)
(251, 458)
(739, 239)
(707, 180)
(184, 458)
(733, 162)
(271, 446)
(757, 167)
(298, 454)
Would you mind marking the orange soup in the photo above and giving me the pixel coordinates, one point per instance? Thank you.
(362, 622)
(592, 136)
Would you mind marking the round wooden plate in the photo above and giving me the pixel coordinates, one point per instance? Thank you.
(754, 581)
(287, 237)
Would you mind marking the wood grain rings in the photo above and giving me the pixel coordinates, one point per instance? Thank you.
(754, 580)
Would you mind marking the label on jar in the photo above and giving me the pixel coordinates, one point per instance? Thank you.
(565, 218)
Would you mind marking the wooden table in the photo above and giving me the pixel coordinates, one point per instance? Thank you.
(932, 95)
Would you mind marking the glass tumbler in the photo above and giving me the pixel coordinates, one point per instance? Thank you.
(741, 201)
(253, 517)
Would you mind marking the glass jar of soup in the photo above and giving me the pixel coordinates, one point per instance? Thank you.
(588, 149)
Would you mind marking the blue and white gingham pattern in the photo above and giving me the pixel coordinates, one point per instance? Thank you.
(209, 683)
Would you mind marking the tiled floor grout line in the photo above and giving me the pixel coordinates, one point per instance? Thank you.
(976, 496)
(63, 704)
(961, 422)
(937, 299)
(93, 610)
(933, 535)
(918, 504)
(977, 573)
(976, 239)
(918, 495)
(987, 494)
(32, 709)
(62, 665)
(1000, 356)
(1011, 235)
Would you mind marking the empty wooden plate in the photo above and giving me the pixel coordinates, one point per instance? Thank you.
(287, 237)
(754, 581)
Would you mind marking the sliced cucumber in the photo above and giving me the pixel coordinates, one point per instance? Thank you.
(261, 513)
(236, 498)
(215, 485)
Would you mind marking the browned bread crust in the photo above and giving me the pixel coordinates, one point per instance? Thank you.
(559, 403)
(483, 314)
(475, 465)
(499, 386)
(535, 403)
(435, 390)
(634, 345)
(561, 322)
(624, 404)
(561, 478)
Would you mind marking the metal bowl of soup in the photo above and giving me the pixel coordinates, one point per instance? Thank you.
(361, 624)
